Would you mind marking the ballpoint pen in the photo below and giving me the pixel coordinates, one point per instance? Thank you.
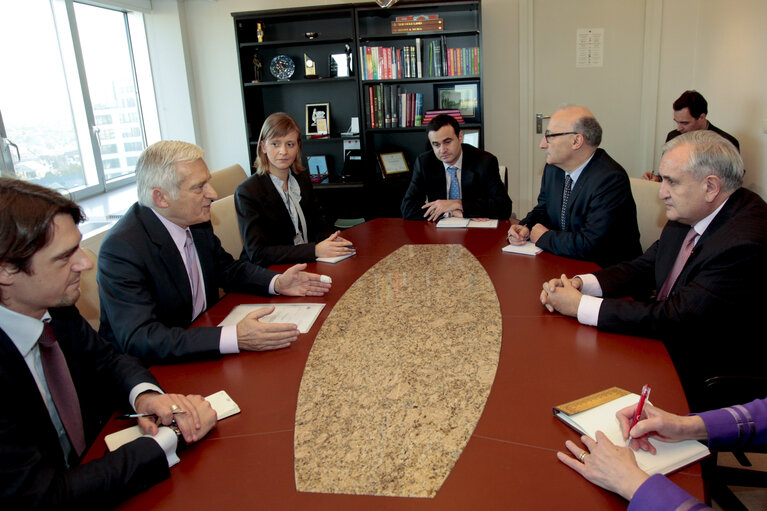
(640, 406)
(130, 416)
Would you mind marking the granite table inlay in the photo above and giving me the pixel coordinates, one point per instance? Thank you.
(398, 376)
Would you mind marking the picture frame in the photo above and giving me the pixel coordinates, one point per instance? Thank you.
(318, 168)
(393, 163)
(462, 96)
(317, 119)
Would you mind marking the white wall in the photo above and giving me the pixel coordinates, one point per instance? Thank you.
(715, 47)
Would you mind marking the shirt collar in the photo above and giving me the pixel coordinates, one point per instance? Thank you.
(458, 163)
(177, 233)
(703, 224)
(574, 175)
(23, 330)
(293, 187)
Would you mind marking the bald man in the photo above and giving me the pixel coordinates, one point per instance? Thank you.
(585, 208)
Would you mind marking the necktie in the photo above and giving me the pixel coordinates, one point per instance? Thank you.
(455, 189)
(62, 388)
(565, 200)
(193, 269)
(681, 259)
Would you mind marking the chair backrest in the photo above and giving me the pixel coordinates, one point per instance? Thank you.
(223, 216)
(88, 304)
(651, 212)
(225, 181)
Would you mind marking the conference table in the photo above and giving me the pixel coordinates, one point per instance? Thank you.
(509, 461)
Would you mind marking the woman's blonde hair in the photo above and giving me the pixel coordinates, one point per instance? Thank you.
(278, 124)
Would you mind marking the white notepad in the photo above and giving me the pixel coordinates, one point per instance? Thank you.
(334, 260)
(528, 248)
(670, 456)
(220, 402)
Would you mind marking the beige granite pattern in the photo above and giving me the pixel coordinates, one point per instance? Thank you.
(398, 376)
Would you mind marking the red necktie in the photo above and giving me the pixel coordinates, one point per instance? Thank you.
(681, 259)
(62, 388)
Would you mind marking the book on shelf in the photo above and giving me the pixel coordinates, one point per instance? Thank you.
(417, 17)
(391, 107)
(431, 114)
(389, 63)
(463, 61)
(429, 25)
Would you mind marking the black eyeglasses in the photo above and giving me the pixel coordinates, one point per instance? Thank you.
(547, 134)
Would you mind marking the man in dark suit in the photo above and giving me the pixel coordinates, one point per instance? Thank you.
(585, 208)
(690, 110)
(455, 179)
(161, 266)
(708, 306)
(62, 381)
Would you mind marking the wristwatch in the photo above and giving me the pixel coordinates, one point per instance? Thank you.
(179, 437)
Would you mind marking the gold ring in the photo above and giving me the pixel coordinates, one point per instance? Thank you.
(173, 408)
(582, 456)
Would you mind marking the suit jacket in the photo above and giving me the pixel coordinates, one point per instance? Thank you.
(601, 213)
(146, 298)
(710, 320)
(33, 473)
(676, 133)
(482, 191)
(265, 225)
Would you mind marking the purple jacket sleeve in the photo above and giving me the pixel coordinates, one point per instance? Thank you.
(736, 425)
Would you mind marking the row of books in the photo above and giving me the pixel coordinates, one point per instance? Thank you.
(390, 63)
(391, 107)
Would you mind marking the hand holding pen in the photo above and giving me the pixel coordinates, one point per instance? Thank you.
(160, 410)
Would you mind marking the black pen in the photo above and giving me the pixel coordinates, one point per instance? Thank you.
(130, 416)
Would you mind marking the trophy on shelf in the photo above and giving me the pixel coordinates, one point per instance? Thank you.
(310, 67)
(257, 67)
(260, 32)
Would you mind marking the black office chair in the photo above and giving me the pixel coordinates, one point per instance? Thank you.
(720, 392)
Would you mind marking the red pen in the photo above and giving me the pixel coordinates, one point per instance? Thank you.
(640, 406)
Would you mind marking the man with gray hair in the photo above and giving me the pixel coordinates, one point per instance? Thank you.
(695, 287)
(161, 266)
(585, 208)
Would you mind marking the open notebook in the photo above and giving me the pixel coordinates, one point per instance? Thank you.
(600, 416)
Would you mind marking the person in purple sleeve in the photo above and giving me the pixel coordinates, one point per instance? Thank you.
(614, 467)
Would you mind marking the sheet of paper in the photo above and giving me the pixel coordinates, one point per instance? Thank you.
(528, 248)
(453, 222)
(334, 260)
(302, 314)
(483, 224)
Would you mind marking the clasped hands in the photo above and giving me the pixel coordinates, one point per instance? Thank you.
(614, 467)
(519, 234)
(435, 209)
(563, 295)
(333, 246)
(196, 421)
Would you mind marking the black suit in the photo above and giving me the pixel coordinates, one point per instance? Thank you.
(601, 214)
(33, 473)
(711, 321)
(482, 191)
(676, 133)
(265, 225)
(146, 298)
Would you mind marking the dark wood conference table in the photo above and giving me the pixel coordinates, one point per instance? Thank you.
(509, 462)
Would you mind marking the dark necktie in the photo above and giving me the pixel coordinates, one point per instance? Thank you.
(565, 200)
(681, 260)
(62, 388)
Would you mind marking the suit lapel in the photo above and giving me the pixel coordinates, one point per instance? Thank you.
(168, 255)
(275, 205)
(467, 170)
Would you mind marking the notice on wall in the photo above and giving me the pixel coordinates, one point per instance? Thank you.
(589, 47)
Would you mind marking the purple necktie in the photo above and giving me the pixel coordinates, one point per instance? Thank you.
(62, 388)
(565, 200)
(681, 259)
(198, 294)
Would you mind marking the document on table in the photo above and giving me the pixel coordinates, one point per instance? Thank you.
(528, 248)
(334, 260)
(302, 314)
(220, 402)
(467, 222)
(670, 456)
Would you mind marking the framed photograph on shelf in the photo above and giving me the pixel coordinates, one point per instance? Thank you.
(317, 119)
(393, 163)
(461, 96)
(318, 168)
